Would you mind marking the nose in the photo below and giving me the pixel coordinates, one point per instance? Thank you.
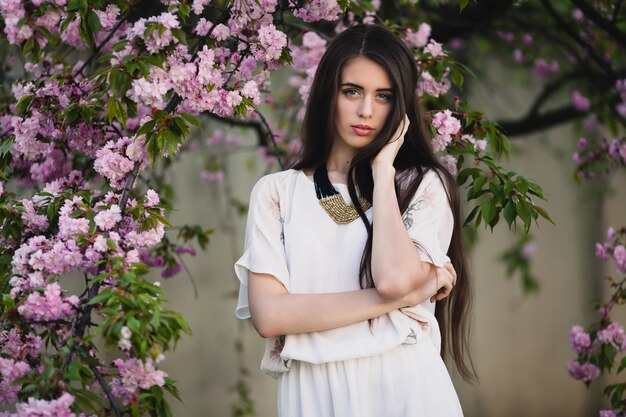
(365, 107)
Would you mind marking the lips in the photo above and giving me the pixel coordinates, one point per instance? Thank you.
(362, 130)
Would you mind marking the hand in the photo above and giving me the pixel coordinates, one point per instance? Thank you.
(445, 280)
(438, 286)
(388, 152)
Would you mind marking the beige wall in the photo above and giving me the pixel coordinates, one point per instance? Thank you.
(519, 343)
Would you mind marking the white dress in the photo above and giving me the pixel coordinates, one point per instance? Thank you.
(391, 368)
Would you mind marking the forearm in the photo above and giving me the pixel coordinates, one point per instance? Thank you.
(275, 311)
(396, 267)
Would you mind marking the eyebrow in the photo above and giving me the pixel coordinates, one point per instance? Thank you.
(361, 87)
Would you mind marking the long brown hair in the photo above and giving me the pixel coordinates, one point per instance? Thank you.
(318, 129)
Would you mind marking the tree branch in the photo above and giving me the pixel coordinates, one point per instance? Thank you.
(605, 24)
(99, 47)
(605, 66)
(533, 123)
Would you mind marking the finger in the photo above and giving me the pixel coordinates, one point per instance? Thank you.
(450, 268)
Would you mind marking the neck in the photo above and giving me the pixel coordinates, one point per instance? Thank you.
(340, 158)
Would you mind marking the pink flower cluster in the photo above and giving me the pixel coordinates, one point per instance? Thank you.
(427, 84)
(583, 372)
(579, 340)
(420, 38)
(614, 248)
(580, 102)
(305, 61)
(61, 407)
(158, 30)
(315, 10)
(18, 345)
(116, 159)
(446, 125)
(544, 69)
(135, 375)
(50, 306)
(10, 370)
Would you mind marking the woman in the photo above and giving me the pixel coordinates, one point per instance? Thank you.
(352, 296)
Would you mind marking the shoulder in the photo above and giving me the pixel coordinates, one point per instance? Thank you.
(430, 178)
(273, 185)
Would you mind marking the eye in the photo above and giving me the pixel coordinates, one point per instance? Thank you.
(351, 92)
(386, 96)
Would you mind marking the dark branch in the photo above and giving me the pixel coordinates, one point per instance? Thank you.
(605, 24)
(99, 47)
(566, 27)
(532, 123)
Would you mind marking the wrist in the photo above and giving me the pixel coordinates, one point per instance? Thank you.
(383, 170)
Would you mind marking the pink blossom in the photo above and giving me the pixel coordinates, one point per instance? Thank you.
(613, 334)
(619, 253)
(445, 123)
(10, 370)
(434, 48)
(315, 10)
(610, 234)
(545, 70)
(111, 165)
(440, 142)
(199, 5)
(34, 222)
(506, 36)
(601, 252)
(578, 15)
(136, 375)
(527, 39)
(202, 27)
(273, 41)
(427, 84)
(172, 270)
(518, 56)
(580, 102)
(609, 413)
(221, 32)
(16, 344)
(420, 38)
(212, 176)
(582, 143)
(449, 163)
(42, 408)
(576, 158)
(251, 90)
(579, 339)
(49, 306)
(107, 219)
(583, 372)
(152, 198)
(146, 238)
(186, 249)
(528, 250)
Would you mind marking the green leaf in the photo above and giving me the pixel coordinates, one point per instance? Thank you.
(488, 210)
(509, 213)
(543, 213)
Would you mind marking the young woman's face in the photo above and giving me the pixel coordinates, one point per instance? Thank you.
(364, 100)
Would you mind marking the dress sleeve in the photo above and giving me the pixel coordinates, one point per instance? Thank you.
(429, 220)
(264, 250)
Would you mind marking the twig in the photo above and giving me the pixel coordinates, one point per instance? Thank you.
(566, 27)
(193, 282)
(608, 26)
(106, 389)
(271, 136)
(99, 47)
